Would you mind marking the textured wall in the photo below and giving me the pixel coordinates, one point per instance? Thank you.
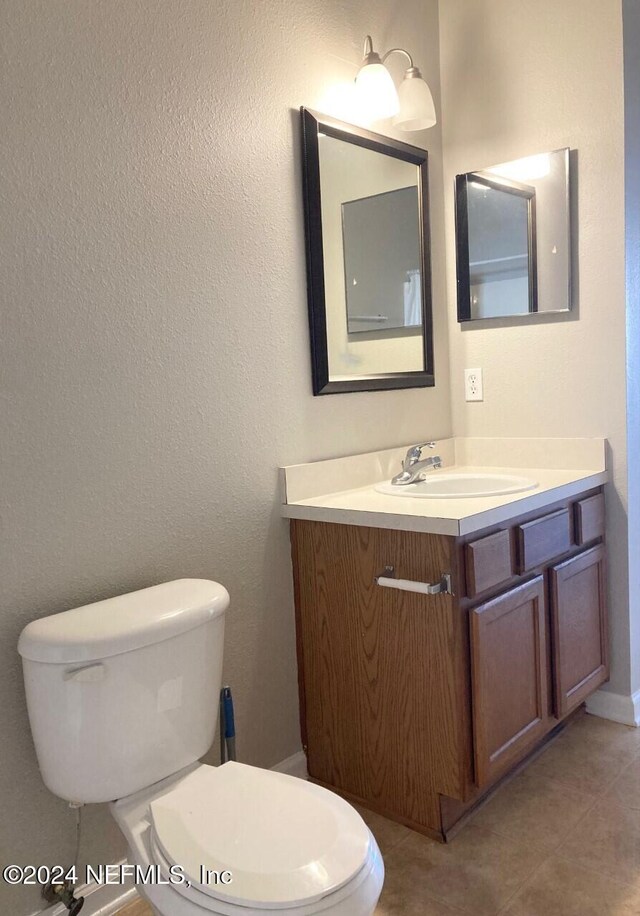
(520, 78)
(154, 347)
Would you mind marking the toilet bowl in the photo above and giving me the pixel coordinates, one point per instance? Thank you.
(122, 700)
(290, 846)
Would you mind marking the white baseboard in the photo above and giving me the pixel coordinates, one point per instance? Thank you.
(99, 899)
(107, 899)
(616, 707)
(296, 765)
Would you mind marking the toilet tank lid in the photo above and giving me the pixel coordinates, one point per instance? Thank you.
(124, 623)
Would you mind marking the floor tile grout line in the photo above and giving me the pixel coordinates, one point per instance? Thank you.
(427, 894)
(432, 896)
(407, 837)
(518, 839)
(525, 884)
(634, 760)
(594, 871)
(389, 847)
(532, 774)
(556, 851)
(604, 792)
(559, 781)
(568, 783)
(593, 801)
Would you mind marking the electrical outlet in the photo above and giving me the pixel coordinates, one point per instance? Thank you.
(473, 385)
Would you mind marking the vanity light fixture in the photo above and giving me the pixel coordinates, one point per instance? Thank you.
(411, 107)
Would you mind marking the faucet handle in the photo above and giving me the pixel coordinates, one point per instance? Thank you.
(414, 453)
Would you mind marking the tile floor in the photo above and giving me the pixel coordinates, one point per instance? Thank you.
(561, 839)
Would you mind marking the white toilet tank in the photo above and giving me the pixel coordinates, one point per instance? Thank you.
(124, 692)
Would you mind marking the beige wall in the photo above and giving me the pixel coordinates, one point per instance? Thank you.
(520, 78)
(154, 345)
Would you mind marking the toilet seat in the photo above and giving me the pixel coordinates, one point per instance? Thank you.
(286, 842)
(343, 901)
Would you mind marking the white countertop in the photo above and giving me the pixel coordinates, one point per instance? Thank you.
(311, 491)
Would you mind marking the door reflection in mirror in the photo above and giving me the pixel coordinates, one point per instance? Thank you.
(513, 239)
(502, 246)
(381, 241)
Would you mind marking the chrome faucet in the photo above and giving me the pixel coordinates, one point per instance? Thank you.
(414, 466)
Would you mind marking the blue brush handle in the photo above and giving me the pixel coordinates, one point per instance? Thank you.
(223, 743)
(227, 704)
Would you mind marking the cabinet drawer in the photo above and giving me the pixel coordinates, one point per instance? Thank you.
(590, 519)
(543, 539)
(488, 562)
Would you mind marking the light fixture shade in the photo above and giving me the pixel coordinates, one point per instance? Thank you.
(377, 92)
(417, 111)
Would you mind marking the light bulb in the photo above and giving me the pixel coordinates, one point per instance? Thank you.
(377, 93)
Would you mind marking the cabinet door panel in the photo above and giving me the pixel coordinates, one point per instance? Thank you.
(509, 677)
(579, 628)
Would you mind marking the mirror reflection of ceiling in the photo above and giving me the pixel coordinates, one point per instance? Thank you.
(364, 243)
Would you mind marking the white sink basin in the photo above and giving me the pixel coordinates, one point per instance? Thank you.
(444, 485)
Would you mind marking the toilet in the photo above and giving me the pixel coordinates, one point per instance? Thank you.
(123, 700)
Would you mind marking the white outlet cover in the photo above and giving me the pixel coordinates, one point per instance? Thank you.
(473, 385)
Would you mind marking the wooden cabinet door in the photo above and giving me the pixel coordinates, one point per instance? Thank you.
(509, 677)
(579, 628)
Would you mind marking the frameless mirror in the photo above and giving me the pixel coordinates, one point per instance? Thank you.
(513, 238)
(369, 284)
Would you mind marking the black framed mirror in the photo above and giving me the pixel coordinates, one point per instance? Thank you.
(368, 266)
(513, 239)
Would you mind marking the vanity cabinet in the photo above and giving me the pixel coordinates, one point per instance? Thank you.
(415, 705)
